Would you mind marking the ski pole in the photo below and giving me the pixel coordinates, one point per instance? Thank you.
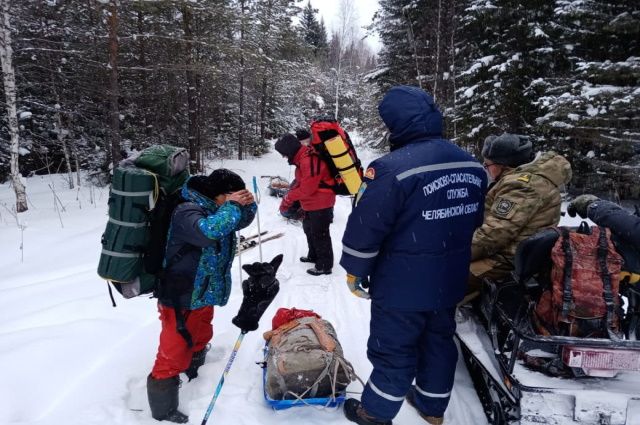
(224, 374)
(240, 255)
(257, 196)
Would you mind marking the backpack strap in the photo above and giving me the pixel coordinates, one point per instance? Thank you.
(605, 275)
(566, 278)
(315, 163)
(181, 324)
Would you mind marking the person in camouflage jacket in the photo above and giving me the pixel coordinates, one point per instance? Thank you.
(201, 246)
(524, 198)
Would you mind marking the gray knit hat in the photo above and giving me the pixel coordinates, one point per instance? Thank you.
(508, 149)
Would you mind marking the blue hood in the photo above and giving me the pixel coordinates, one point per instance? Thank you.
(411, 115)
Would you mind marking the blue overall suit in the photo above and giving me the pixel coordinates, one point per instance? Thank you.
(410, 234)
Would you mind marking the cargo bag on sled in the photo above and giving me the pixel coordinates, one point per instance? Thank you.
(583, 300)
(304, 362)
(278, 186)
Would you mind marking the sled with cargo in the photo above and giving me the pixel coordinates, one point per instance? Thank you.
(523, 377)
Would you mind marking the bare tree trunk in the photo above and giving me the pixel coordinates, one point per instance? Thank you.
(142, 58)
(263, 107)
(241, 106)
(74, 151)
(63, 141)
(114, 91)
(266, 75)
(60, 130)
(338, 80)
(192, 101)
(437, 64)
(6, 57)
(453, 70)
(412, 42)
(198, 158)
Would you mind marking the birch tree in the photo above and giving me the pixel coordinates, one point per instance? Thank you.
(9, 79)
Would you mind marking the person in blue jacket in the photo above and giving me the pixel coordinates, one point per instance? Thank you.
(201, 246)
(409, 239)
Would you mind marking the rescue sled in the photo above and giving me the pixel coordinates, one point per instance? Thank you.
(526, 378)
(304, 364)
(278, 186)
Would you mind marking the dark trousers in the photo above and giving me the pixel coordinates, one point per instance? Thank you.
(404, 345)
(316, 228)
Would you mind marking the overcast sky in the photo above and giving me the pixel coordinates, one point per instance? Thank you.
(328, 9)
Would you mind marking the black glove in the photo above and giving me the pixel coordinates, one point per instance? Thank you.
(580, 205)
(259, 290)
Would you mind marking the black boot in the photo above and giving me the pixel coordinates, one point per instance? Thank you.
(163, 399)
(411, 399)
(317, 272)
(197, 360)
(307, 259)
(354, 411)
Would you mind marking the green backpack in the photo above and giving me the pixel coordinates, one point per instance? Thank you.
(144, 192)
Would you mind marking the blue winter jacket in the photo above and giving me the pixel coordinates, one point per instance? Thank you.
(410, 231)
(201, 246)
(625, 228)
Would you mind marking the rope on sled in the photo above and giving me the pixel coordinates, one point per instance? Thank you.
(340, 361)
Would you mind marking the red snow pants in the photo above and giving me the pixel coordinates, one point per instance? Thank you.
(174, 356)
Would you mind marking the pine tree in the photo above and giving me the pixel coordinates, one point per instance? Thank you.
(589, 105)
(314, 32)
(503, 48)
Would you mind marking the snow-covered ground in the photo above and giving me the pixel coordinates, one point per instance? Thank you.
(68, 357)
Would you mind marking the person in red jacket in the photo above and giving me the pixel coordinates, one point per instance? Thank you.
(317, 201)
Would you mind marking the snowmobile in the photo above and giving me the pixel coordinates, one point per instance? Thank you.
(526, 378)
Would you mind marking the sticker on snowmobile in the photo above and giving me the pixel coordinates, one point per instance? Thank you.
(504, 207)
(370, 173)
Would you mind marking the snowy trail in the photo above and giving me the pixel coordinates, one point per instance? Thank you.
(68, 357)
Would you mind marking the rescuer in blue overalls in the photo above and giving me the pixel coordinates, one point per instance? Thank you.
(409, 238)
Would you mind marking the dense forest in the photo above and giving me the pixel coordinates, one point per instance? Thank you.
(87, 81)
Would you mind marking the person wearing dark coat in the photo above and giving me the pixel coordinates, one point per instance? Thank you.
(409, 239)
(201, 246)
(624, 226)
(315, 200)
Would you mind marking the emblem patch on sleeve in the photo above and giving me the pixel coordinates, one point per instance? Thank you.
(370, 173)
(504, 207)
(524, 178)
(361, 190)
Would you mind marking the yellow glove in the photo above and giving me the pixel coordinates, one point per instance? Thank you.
(356, 286)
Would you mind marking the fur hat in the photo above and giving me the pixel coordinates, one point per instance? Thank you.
(508, 149)
(220, 181)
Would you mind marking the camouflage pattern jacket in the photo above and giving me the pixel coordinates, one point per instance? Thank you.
(522, 202)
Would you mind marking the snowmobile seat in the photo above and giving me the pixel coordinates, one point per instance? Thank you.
(533, 261)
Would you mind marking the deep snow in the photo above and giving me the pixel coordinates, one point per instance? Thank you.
(68, 357)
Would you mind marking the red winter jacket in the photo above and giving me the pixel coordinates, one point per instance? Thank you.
(310, 172)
